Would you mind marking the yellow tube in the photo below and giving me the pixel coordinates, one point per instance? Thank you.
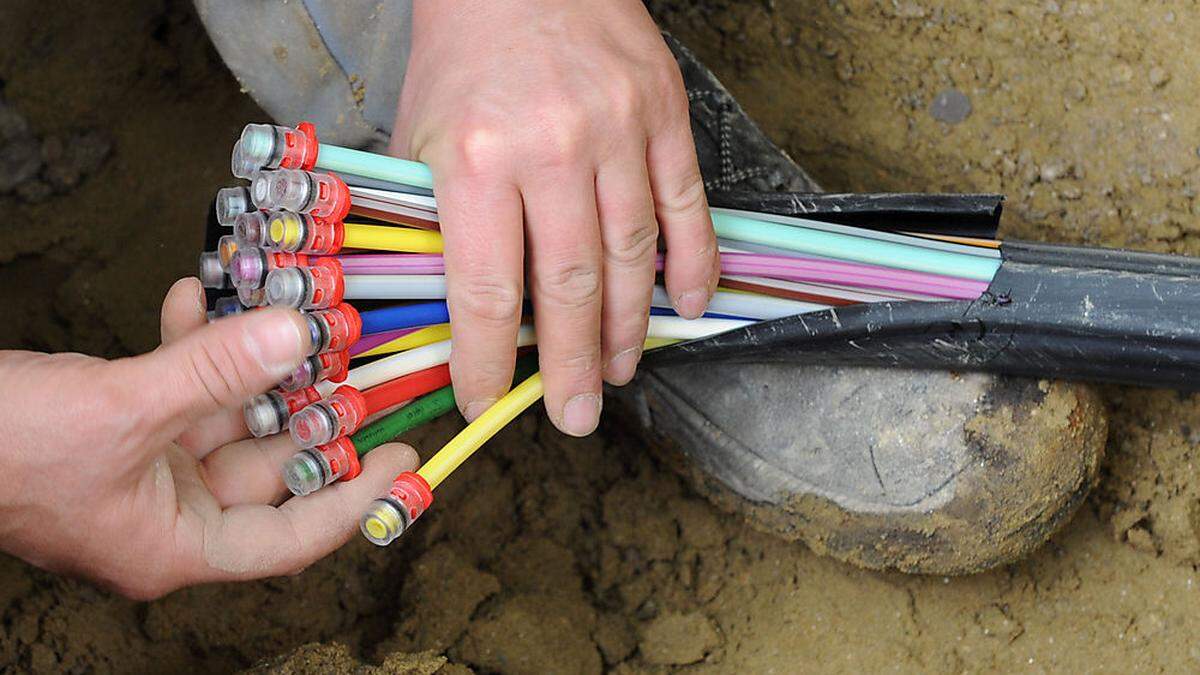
(495, 418)
(386, 238)
(483, 428)
(417, 338)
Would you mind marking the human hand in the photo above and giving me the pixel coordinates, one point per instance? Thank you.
(134, 473)
(569, 118)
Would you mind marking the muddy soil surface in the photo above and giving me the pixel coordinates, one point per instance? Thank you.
(553, 555)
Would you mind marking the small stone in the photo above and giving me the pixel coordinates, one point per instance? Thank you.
(20, 161)
(1159, 77)
(615, 638)
(950, 106)
(678, 639)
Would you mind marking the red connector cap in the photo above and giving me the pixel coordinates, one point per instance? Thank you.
(332, 198)
(300, 147)
(317, 287)
(337, 416)
(334, 329)
(342, 458)
(412, 492)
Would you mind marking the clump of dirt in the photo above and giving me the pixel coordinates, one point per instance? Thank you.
(553, 554)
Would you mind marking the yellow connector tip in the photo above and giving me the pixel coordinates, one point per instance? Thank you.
(382, 523)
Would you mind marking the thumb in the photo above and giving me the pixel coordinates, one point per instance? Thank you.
(216, 367)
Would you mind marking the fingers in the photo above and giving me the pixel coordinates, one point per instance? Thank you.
(692, 265)
(249, 471)
(629, 232)
(481, 225)
(182, 310)
(566, 286)
(212, 369)
(249, 542)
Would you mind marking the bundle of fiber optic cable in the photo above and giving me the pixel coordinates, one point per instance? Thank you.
(350, 238)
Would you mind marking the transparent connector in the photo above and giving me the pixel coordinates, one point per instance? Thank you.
(267, 146)
(317, 287)
(252, 297)
(333, 329)
(250, 266)
(301, 232)
(232, 202)
(269, 413)
(330, 366)
(211, 272)
(389, 517)
(226, 247)
(224, 307)
(250, 229)
(323, 422)
(321, 194)
(312, 469)
(287, 231)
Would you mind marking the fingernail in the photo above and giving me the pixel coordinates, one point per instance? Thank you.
(476, 408)
(581, 414)
(274, 339)
(691, 304)
(622, 367)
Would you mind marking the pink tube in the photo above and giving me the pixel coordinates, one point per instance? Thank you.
(368, 342)
(786, 268)
(392, 263)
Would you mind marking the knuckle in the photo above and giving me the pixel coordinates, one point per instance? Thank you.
(478, 146)
(577, 362)
(492, 299)
(213, 370)
(687, 199)
(635, 246)
(574, 284)
(563, 134)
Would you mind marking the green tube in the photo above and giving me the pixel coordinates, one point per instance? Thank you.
(368, 164)
(422, 411)
(858, 249)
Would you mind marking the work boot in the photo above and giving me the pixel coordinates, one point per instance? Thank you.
(926, 472)
(920, 471)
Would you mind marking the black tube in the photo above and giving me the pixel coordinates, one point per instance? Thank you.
(948, 214)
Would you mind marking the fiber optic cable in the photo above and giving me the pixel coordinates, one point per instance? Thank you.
(404, 316)
(418, 338)
(368, 342)
(859, 249)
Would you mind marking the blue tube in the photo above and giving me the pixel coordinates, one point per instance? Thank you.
(858, 249)
(666, 311)
(370, 165)
(404, 316)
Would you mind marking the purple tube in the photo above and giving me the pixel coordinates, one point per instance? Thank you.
(368, 342)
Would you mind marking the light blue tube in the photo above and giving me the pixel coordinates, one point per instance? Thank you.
(368, 164)
(858, 249)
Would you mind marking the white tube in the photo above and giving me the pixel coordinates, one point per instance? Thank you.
(404, 363)
(751, 306)
(395, 287)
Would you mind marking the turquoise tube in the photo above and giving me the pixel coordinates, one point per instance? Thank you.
(858, 249)
(370, 165)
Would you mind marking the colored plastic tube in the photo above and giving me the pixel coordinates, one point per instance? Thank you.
(403, 316)
(858, 249)
(370, 165)
(388, 238)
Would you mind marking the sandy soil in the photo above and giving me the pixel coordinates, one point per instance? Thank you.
(556, 555)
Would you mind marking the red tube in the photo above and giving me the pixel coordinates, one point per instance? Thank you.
(406, 388)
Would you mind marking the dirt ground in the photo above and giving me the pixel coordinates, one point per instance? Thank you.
(555, 555)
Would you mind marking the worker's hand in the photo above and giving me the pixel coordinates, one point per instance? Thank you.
(559, 128)
(134, 472)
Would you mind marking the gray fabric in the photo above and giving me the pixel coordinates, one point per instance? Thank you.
(337, 63)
